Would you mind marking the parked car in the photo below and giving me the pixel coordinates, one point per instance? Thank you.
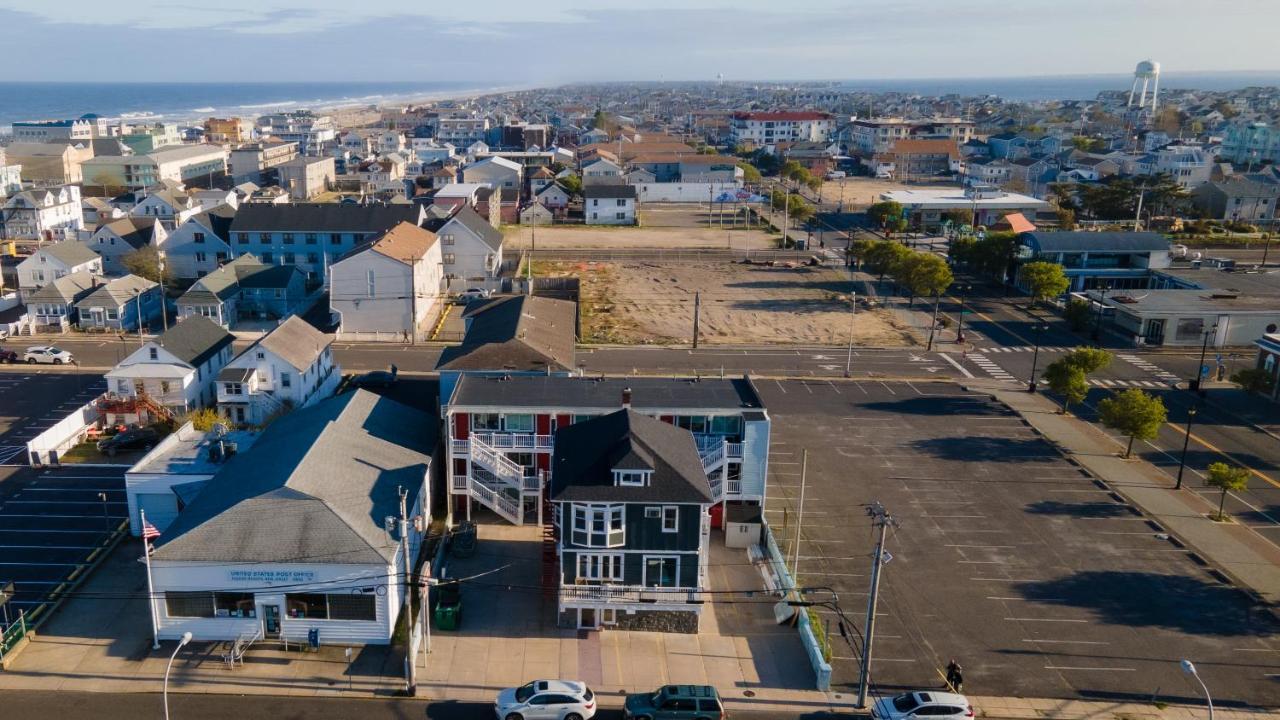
(470, 294)
(1178, 251)
(923, 704)
(376, 378)
(47, 354)
(135, 439)
(675, 702)
(8, 356)
(547, 700)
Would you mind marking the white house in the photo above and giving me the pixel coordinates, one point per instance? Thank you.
(608, 204)
(51, 262)
(174, 373)
(118, 238)
(201, 244)
(170, 207)
(496, 172)
(390, 286)
(290, 538)
(600, 168)
(44, 214)
(470, 250)
(290, 367)
(553, 197)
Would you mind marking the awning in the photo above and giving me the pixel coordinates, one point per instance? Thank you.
(1018, 223)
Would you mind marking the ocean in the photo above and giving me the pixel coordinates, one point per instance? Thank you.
(21, 101)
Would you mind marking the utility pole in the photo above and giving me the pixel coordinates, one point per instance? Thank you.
(413, 302)
(711, 190)
(533, 245)
(164, 312)
(882, 520)
(697, 307)
(411, 662)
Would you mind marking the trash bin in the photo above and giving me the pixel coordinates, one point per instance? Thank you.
(448, 607)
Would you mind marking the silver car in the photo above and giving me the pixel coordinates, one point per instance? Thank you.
(547, 700)
(923, 705)
(47, 354)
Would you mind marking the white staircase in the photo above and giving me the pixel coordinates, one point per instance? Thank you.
(495, 481)
(715, 462)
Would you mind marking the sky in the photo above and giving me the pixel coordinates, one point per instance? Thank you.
(518, 42)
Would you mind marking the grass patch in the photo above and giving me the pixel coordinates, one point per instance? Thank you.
(820, 633)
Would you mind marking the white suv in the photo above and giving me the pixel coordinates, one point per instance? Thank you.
(47, 354)
(923, 705)
(547, 700)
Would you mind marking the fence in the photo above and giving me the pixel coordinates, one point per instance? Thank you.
(13, 635)
(659, 255)
(45, 448)
(812, 647)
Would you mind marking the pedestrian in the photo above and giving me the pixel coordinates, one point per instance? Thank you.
(955, 679)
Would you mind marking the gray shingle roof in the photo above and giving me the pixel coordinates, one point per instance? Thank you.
(472, 221)
(295, 341)
(586, 454)
(195, 339)
(520, 332)
(66, 289)
(117, 292)
(314, 487)
(589, 394)
(70, 252)
(1099, 241)
(322, 217)
(609, 191)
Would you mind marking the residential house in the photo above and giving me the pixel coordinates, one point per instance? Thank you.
(121, 304)
(311, 236)
(868, 136)
(1189, 166)
(52, 306)
(258, 162)
(502, 433)
(231, 130)
(172, 374)
(536, 214)
(313, 133)
(50, 262)
(917, 158)
(607, 204)
(389, 287)
(290, 367)
(985, 171)
(98, 210)
(816, 157)
(203, 164)
(170, 207)
(1100, 259)
(316, 485)
(242, 289)
(471, 250)
(600, 169)
(49, 163)
(540, 179)
(497, 172)
(462, 131)
(632, 514)
(200, 245)
(1028, 174)
(1239, 199)
(554, 198)
(307, 177)
(1009, 146)
(45, 131)
(42, 214)
(1251, 144)
(10, 177)
(143, 139)
(118, 238)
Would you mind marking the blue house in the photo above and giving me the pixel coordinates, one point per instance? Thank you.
(121, 304)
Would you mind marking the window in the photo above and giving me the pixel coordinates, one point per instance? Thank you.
(620, 216)
(198, 237)
(228, 604)
(153, 353)
(726, 424)
(335, 238)
(661, 571)
(288, 238)
(448, 258)
(370, 286)
(600, 567)
(111, 314)
(201, 257)
(264, 238)
(653, 513)
(518, 423)
(306, 605)
(631, 478)
(331, 607)
(670, 518)
(286, 380)
(268, 258)
(164, 387)
(598, 525)
(485, 421)
(622, 202)
(311, 238)
(313, 258)
(189, 604)
(234, 389)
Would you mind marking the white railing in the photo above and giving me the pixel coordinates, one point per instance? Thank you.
(712, 459)
(733, 487)
(629, 594)
(496, 501)
(503, 469)
(460, 482)
(532, 483)
(460, 446)
(715, 481)
(733, 451)
(241, 646)
(514, 441)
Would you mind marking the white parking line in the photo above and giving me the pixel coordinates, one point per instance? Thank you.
(1060, 620)
(1087, 669)
(1066, 642)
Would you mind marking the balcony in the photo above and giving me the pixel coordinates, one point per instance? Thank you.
(507, 441)
(529, 484)
(628, 595)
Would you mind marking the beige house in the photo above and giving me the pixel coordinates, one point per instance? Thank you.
(49, 162)
(306, 177)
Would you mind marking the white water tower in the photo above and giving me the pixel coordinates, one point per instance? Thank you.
(1148, 72)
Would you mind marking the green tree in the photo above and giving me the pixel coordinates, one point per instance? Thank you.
(749, 173)
(1077, 314)
(883, 212)
(1254, 380)
(1066, 218)
(1063, 195)
(1115, 198)
(790, 169)
(884, 257)
(814, 183)
(145, 262)
(1088, 144)
(1134, 413)
(993, 254)
(1068, 381)
(798, 209)
(962, 249)
(922, 274)
(958, 217)
(203, 419)
(859, 250)
(1089, 360)
(1044, 280)
(572, 184)
(1226, 478)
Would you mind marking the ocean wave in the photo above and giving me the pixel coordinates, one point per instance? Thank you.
(138, 115)
(280, 103)
(203, 109)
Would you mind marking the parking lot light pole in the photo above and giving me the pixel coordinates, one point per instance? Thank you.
(853, 314)
(1035, 356)
(1190, 669)
(1102, 306)
(186, 638)
(1186, 440)
(963, 292)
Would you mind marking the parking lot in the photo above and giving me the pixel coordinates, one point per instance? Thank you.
(1033, 575)
(32, 401)
(53, 524)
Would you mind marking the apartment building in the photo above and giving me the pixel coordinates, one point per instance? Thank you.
(875, 135)
(766, 128)
(204, 163)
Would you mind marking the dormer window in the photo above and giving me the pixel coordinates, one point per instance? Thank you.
(632, 478)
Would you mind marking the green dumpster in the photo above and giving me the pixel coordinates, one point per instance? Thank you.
(448, 607)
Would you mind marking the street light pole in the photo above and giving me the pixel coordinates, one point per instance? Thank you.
(186, 638)
(1266, 249)
(963, 290)
(1102, 306)
(1035, 356)
(1190, 669)
(1186, 440)
(853, 314)
(1204, 350)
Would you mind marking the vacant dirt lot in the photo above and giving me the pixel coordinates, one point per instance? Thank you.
(640, 303)
(582, 236)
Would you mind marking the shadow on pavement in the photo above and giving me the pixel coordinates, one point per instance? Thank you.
(1079, 510)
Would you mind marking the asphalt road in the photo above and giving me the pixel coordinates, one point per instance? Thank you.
(133, 706)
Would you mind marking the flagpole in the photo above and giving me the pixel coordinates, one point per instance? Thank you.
(151, 591)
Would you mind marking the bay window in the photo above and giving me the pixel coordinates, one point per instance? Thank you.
(598, 526)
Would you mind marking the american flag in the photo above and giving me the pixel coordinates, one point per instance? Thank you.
(149, 531)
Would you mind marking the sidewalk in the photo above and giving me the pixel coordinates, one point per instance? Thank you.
(1243, 555)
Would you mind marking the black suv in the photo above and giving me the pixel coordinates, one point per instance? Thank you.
(676, 702)
(136, 439)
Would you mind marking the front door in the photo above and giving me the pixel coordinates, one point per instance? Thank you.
(587, 619)
(271, 621)
(1154, 334)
